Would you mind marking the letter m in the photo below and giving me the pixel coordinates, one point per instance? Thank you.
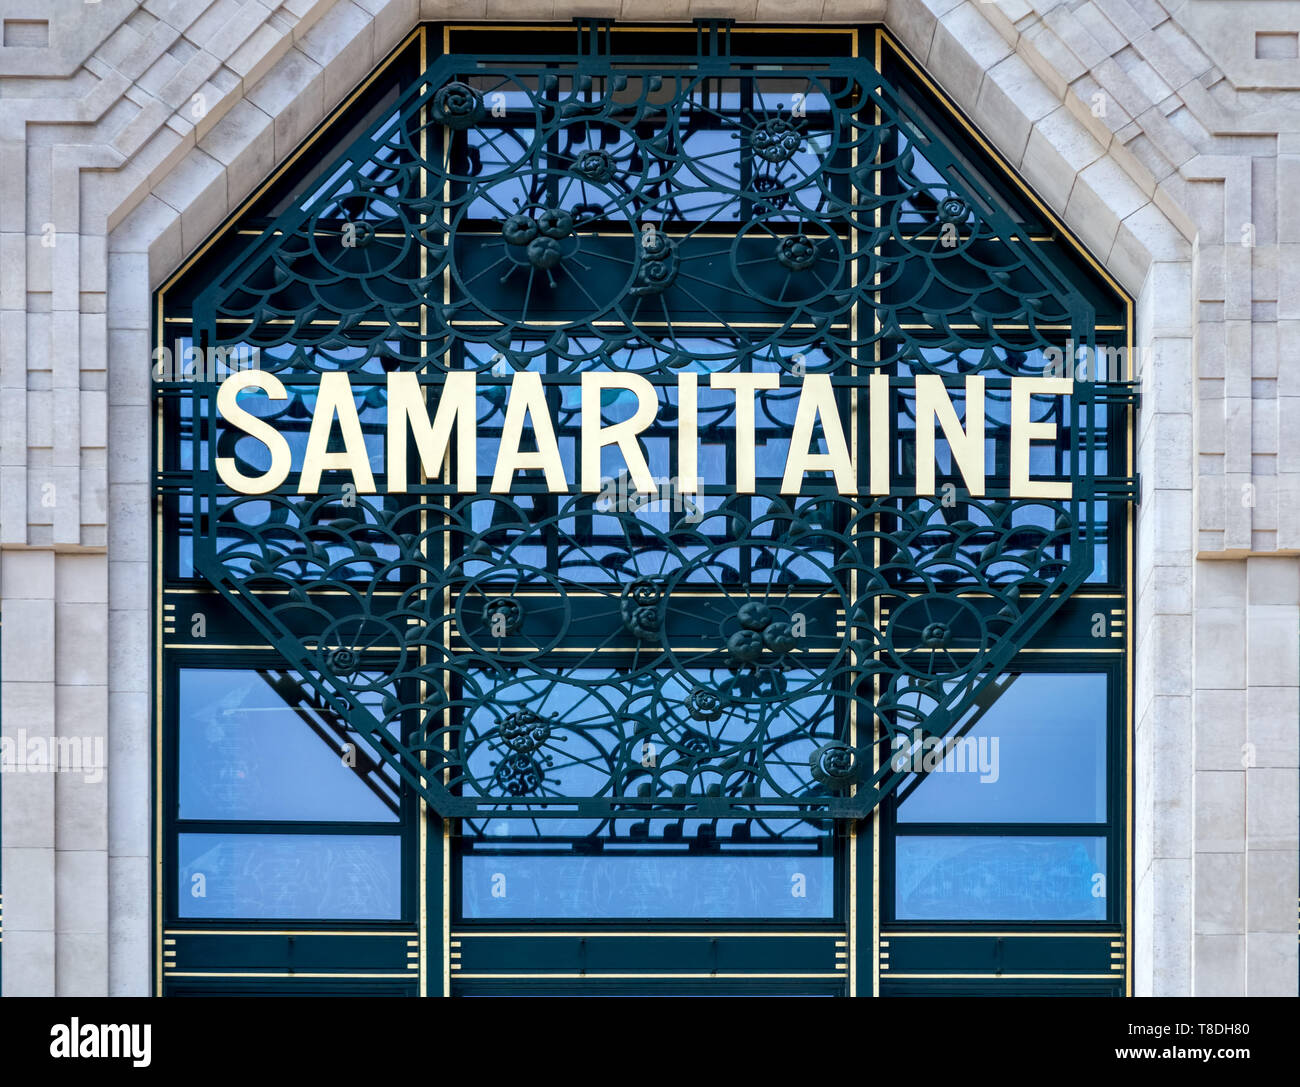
(456, 408)
(217, 364)
(66, 754)
(115, 1040)
(1112, 364)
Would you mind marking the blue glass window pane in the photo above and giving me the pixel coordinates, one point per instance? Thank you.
(740, 887)
(1000, 879)
(244, 753)
(1038, 755)
(301, 876)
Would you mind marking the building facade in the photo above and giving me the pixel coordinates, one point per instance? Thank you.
(958, 653)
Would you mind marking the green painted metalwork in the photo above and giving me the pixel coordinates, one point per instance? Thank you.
(653, 215)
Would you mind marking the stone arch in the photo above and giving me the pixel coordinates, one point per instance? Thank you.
(966, 53)
(171, 146)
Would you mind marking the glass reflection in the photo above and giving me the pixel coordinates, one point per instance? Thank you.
(337, 877)
(257, 745)
(647, 886)
(1037, 754)
(971, 878)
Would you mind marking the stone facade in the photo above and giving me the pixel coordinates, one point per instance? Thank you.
(1165, 134)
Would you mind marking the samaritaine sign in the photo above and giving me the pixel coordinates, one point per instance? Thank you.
(456, 412)
(529, 279)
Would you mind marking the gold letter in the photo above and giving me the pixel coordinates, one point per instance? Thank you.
(456, 405)
(335, 398)
(967, 447)
(1023, 432)
(688, 434)
(528, 398)
(881, 410)
(745, 386)
(264, 432)
(818, 397)
(595, 436)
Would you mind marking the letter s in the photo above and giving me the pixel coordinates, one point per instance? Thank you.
(264, 432)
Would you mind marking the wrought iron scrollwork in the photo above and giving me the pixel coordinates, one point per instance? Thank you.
(753, 656)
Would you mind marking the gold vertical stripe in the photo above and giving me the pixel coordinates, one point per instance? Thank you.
(876, 618)
(422, 817)
(446, 595)
(851, 845)
(1129, 693)
(158, 681)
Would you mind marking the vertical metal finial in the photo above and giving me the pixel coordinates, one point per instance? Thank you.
(593, 36)
(713, 37)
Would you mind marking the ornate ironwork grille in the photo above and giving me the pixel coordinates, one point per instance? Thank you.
(733, 663)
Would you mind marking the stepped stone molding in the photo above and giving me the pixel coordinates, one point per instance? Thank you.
(1166, 136)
